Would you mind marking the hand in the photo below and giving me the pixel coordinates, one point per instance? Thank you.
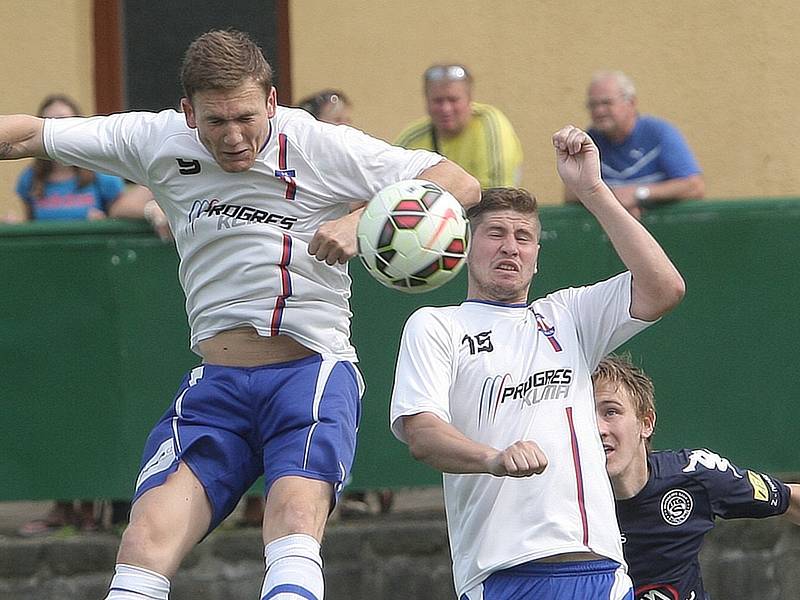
(95, 214)
(335, 241)
(577, 161)
(521, 459)
(158, 220)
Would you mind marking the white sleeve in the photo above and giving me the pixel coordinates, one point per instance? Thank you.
(602, 314)
(356, 165)
(111, 144)
(424, 370)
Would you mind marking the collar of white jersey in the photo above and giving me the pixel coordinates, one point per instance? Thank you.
(494, 303)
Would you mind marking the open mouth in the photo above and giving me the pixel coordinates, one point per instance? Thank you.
(509, 267)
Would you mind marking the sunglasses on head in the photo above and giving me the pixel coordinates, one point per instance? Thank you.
(447, 73)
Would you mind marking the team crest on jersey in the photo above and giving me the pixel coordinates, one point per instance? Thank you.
(657, 591)
(548, 331)
(676, 506)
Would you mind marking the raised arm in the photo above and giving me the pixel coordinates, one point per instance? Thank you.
(657, 285)
(21, 137)
(443, 447)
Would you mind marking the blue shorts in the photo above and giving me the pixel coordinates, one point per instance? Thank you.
(587, 580)
(232, 424)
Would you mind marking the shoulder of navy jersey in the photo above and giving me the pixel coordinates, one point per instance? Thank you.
(732, 492)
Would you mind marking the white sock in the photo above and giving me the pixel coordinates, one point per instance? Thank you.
(294, 569)
(136, 583)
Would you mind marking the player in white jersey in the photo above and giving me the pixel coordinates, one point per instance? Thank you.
(496, 393)
(259, 199)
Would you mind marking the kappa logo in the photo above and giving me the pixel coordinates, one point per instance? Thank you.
(676, 507)
(709, 460)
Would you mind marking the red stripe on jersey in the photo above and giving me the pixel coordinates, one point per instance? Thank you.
(282, 151)
(576, 461)
(286, 286)
(291, 186)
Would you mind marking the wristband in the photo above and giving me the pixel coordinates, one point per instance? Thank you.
(641, 194)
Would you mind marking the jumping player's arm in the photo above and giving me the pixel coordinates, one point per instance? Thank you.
(443, 447)
(657, 285)
(21, 137)
(449, 176)
(335, 241)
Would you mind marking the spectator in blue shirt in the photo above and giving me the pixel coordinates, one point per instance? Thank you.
(645, 160)
(55, 192)
(668, 500)
(51, 191)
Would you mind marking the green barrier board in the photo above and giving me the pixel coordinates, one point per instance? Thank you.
(94, 342)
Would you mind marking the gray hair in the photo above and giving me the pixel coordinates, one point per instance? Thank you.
(624, 82)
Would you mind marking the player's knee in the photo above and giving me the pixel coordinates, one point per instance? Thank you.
(150, 541)
(300, 517)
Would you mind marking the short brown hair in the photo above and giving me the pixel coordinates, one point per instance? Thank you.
(619, 371)
(504, 198)
(223, 60)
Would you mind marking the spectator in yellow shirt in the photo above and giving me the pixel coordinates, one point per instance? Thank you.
(477, 136)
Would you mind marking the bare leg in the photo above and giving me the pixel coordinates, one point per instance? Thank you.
(294, 520)
(296, 505)
(166, 523)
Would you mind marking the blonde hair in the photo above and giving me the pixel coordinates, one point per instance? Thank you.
(619, 371)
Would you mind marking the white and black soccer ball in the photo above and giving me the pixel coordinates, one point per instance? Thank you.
(413, 236)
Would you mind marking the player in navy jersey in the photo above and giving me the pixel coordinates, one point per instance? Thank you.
(667, 500)
(496, 393)
(259, 198)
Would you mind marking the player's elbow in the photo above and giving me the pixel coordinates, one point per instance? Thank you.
(653, 302)
(671, 293)
(472, 191)
(417, 447)
(417, 440)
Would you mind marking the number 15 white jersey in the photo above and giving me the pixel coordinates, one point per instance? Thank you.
(501, 373)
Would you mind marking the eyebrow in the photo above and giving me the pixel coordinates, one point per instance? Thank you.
(615, 402)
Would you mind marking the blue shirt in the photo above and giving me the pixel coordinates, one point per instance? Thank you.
(664, 524)
(64, 200)
(654, 151)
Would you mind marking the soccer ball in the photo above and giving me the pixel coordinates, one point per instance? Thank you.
(413, 236)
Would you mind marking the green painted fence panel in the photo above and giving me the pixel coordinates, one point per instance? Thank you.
(94, 342)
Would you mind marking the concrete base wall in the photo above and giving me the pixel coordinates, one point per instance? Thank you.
(376, 559)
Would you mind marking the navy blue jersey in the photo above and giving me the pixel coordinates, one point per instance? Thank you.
(664, 524)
